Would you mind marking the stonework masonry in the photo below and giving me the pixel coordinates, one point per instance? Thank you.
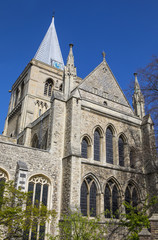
(51, 127)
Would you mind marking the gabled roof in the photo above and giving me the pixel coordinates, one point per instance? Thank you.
(102, 82)
(49, 50)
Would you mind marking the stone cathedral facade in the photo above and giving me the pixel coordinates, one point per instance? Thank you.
(76, 142)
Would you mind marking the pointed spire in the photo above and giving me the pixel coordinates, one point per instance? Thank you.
(49, 51)
(138, 99)
(136, 85)
(70, 58)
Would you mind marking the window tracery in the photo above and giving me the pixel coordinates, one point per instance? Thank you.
(88, 197)
(48, 87)
(39, 188)
(131, 196)
(111, 200)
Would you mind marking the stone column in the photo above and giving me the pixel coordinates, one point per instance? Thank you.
(154, 226)
(144, 234)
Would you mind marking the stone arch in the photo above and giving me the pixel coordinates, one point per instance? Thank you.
(86, 146)
(112, 198)
(91, 175)
(4, 173)
(112, 178)
(89, 195)
(48, 86)
(124, 137)
(112, 128)
(99, 129)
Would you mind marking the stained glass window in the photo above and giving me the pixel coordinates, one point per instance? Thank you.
(109, 146)
(96, 145)
(111, 200)
(84, 148)
(88, 197)
(121, 151)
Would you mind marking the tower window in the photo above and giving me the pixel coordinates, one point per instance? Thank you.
(48, 87)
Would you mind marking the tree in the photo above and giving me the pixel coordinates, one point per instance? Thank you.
(17, 214)
(76, 227)
(148, 78)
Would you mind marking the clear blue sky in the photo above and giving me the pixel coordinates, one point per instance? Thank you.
(127, 30)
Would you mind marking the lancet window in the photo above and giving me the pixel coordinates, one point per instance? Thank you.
(48, 87)
(109, 146)
(111, 200)
(121, 151)
(88, 197)
(96, 145)
(39, 189)
(84, 148)
(131, 196)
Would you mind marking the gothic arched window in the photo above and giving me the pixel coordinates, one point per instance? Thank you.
(48, 87)
(39, 188)
(84, 148)
(96, 145)
(131, 196)
(111, 200)
(121, 151)
(109, 146)
(88, 197)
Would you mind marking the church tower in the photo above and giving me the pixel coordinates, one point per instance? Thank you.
(31, 93)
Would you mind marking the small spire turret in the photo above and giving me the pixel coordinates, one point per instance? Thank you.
(70, 73)
(138, 99)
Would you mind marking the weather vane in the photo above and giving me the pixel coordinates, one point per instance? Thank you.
(53, 13)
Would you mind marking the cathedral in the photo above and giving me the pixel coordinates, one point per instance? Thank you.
(76, 142)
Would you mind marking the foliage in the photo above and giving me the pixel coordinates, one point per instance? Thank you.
(76, 227)
(137, 218)
(17, 214)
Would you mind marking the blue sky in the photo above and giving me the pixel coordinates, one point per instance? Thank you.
(127, 30)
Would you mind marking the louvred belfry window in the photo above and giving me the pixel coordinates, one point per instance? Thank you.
(39, 188)
(48, 87)
(96, 145)
(111, 200)
(88, 197)
(109, 146)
